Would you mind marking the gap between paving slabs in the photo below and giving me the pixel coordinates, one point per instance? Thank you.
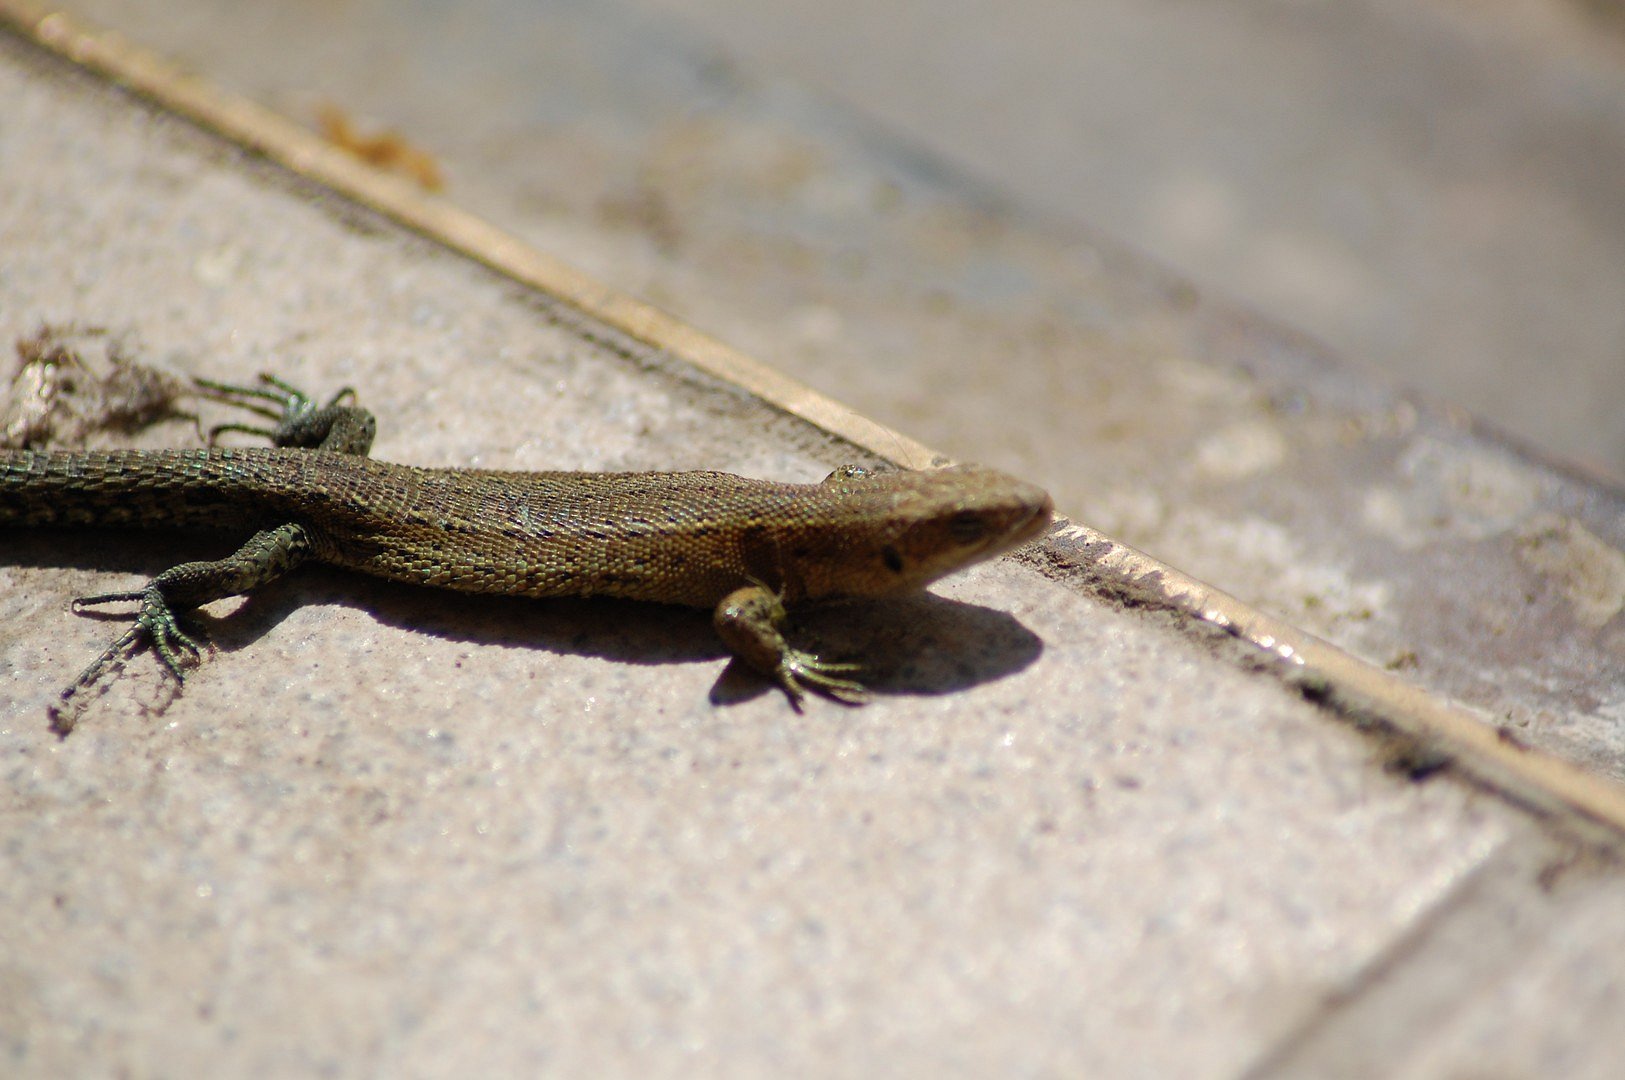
(1427, 733)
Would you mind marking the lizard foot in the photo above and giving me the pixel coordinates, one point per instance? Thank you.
(300, 422)
(799, 671)
(749, 621)
(156, 624)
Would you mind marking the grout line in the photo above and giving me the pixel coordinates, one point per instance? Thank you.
(1476, 938)
(1441, 733)
(1081, 557)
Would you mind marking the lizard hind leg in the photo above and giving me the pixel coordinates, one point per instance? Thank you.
(266, 556)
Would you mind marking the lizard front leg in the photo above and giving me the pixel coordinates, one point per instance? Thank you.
(750, 622)
(266, 556)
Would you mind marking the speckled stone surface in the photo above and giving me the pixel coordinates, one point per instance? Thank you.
(386, 831)
(1242, 452)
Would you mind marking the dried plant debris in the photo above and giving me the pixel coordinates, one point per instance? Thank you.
(73, 382)
(387, 150)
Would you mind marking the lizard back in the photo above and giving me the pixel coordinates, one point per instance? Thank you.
(687, 538)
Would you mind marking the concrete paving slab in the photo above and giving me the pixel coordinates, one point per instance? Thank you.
(1501, 981)
(1215, 440)
(386, 831)
(1429, 186)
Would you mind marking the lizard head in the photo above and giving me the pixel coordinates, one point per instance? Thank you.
(907, 529)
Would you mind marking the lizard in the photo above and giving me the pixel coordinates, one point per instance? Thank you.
(746, 549)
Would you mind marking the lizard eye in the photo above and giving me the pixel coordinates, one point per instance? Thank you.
(846, 472)
(967, 527)
(892, 558)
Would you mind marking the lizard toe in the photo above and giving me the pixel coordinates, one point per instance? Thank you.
(805, 671)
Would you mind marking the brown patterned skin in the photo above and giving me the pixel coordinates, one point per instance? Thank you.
(744, 548)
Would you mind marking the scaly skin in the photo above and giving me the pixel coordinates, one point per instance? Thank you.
(747, 549)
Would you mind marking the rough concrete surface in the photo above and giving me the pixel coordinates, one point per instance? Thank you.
(1429, 186)
(388, 831)
(1217, 441)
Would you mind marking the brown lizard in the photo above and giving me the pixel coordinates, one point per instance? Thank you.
(746, 549)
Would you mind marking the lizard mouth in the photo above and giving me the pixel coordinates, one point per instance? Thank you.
(1036, 521)
(1030, 518)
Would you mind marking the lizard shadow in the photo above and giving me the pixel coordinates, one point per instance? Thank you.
(919, 644)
